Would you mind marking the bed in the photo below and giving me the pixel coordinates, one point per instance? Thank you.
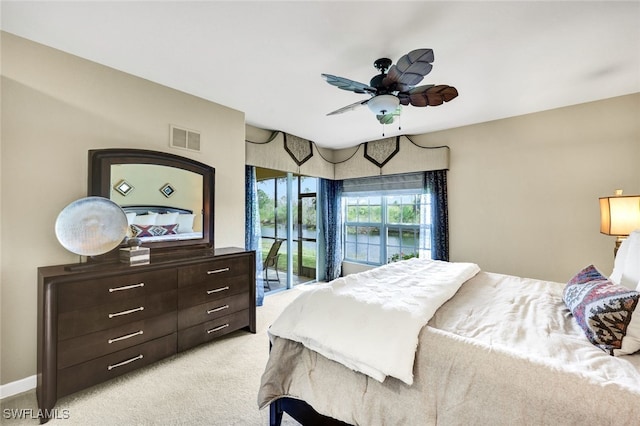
(501, 350)
(161, 223)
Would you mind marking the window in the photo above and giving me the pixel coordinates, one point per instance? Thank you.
(384, 227)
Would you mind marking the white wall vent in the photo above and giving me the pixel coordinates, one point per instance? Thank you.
(184, 138)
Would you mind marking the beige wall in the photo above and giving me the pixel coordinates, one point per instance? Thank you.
(523, 192)
(55, 107)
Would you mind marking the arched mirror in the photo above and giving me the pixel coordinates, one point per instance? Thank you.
(168, 199)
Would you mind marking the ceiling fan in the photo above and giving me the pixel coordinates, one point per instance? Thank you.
(396, 87)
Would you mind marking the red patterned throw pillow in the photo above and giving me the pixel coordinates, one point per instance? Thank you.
(605, 311)
(153, 230)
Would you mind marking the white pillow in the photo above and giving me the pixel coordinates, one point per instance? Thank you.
(185, 223)
(145, 219)
(167, 219)
(618, 262)
(631, 341)
(626, 268)
(130, 218)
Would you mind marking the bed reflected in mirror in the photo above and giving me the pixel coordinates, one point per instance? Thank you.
(162, 203)
(168, 199)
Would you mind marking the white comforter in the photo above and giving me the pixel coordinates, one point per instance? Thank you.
(370, 321)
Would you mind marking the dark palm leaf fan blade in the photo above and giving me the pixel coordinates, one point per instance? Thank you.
(410, 69)
(430, 95)
(406, 97)
(346, 84)
(350, 107)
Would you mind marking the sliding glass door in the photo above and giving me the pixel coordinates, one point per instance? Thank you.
(307, 232)
(287, 208)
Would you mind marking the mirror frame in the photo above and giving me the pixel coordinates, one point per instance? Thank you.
(99, 184)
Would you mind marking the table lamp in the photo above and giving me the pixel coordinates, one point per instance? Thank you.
(619, 215)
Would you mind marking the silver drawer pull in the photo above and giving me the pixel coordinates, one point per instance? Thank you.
(213, 330)
(126, 287)
(130, 311)
(120, 364)
(221, 308)
(217, 290)
(128, 336)
(217, 271)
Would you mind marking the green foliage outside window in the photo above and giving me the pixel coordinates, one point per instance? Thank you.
(401, 256)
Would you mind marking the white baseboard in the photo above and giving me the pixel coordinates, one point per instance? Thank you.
(18, 386)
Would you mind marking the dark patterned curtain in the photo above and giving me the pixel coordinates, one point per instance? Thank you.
(331, 227)
(435, 184)
(252, 227)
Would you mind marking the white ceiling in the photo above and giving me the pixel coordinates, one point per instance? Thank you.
(264, 58)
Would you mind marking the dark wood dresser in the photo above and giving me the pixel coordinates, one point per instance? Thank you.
(104, 320)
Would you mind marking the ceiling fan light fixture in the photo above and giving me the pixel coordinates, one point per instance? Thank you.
(383, 104)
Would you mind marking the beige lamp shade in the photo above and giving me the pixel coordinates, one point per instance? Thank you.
(619, 215)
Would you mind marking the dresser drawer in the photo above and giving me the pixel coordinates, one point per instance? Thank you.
(89, 373)
(214, 271)
(102, 317)
(210, 330)
(90, 346)
(212, 310)
(79, 294)
(209, 291)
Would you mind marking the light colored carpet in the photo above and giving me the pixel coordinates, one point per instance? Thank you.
(213, 384)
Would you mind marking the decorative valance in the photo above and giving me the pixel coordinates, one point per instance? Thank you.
(381, 151)
(289, 153)
(299, 149)
(392, 156)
